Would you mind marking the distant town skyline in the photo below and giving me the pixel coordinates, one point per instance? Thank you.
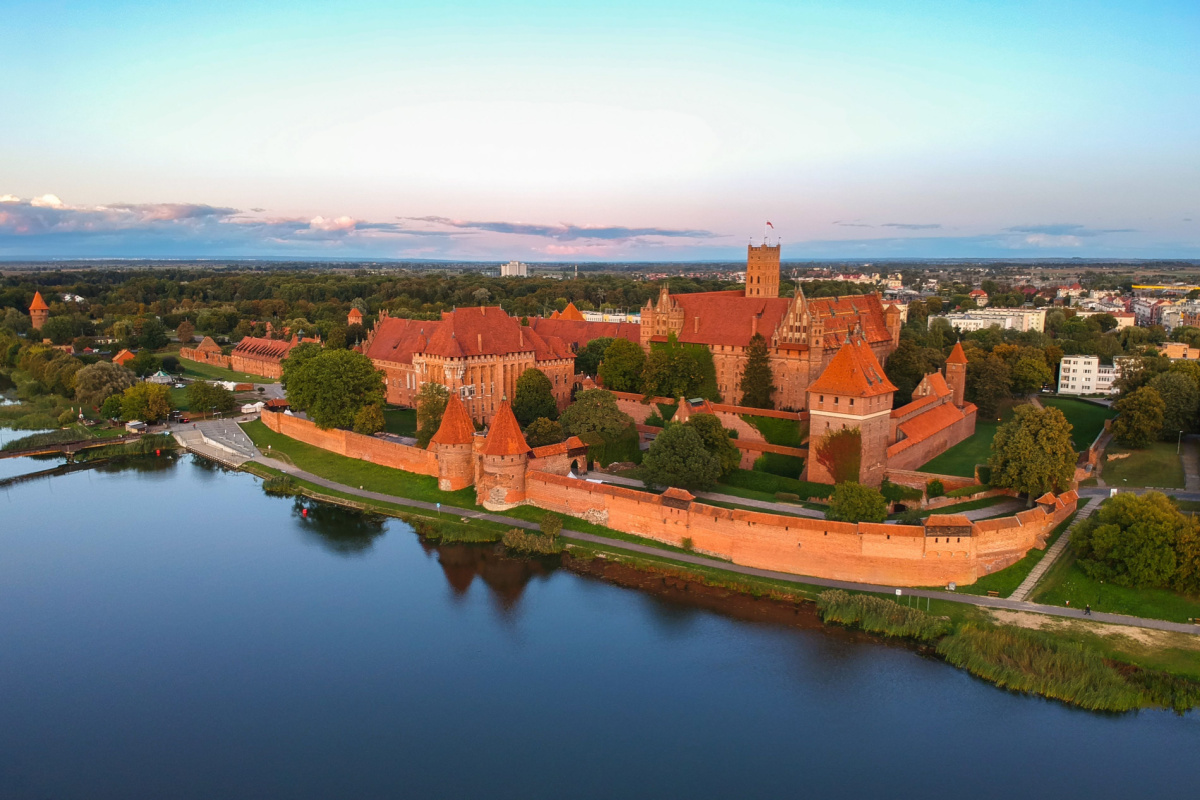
(652, 131)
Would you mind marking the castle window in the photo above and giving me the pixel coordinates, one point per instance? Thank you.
(851, 401)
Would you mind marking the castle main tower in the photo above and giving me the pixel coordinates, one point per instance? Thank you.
(762, 270)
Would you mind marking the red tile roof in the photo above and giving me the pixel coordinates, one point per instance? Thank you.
(456, 427)
(957, 356)
(842, 315)
(728, 318)
(207, 345)
(462, 333)
(123, 357)
(270, 349)
(572, 313)
(505, 438)
(578, 334)
(932, 421)
(952, 520)
(853, 372)
(38, 303)
(355, 313)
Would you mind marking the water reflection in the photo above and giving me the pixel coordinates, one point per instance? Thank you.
(344, 531)
(506, 576)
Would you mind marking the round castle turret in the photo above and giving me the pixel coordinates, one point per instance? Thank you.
(39, 312)
(453, 445)
(504, 459)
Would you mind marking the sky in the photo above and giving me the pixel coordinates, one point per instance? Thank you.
(599, 131)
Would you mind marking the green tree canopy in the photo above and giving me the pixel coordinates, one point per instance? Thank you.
(153, 335)
(678, 458)
(853, 502)
(672, 372)
(534, 397)
(144, 363)
(1140, 417)
(907, 365)
(595, 410)
(185, 332)
(1132, 540)
(333, 386)
(622, 367)
(369, 419)
(716, 441)
(758, 382)
(148, 402)
(543, 431)
(1033, 452)
(431, 405)
(989, 384)
(1180, 395)
(59, 330)
(95, 383)
(587, 360)
(204, 397)
(1030, 374)
(297, 358)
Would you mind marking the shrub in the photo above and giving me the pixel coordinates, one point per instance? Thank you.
(686, 543)
(880, 615)
(853, 502)
(281, 486)
(531, 543)
(934, 488)
(66, 417)
(551, 524)
(768, 483)
(369, 419)
(543, 431)
(910, 516)
(895, 493)
(787, 497)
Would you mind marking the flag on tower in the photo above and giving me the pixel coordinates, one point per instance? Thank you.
(769, 223)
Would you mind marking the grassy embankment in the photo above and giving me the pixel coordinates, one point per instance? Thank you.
(210, 372)
(71, 433)
(1157, 465)
(384, 479)
(1087, 419)
(1006, 581)
(400, 421)
(783, 432)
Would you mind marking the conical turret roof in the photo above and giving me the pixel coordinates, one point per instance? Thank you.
(38, 303)
(957, 356)
(456, 427)
(505, 438)
(854, 372)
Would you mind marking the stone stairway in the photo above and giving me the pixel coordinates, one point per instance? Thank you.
(1026, 588)
(226, 435)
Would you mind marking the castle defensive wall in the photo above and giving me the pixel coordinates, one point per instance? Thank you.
(506, 472)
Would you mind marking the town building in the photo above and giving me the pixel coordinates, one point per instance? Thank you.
(1085, 375)
(514, 269)
(252, 355)
(1180, 351)
(980, 297)
(1017, 319)
(39, 312)
(124, 357)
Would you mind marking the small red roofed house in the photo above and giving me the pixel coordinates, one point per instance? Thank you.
(980, 297)
(123, 357)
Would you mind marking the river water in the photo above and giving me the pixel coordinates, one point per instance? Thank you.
(169, 631)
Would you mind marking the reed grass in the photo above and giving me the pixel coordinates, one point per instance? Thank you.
(532, 543)
(880, 615)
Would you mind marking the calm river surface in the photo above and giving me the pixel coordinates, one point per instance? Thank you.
(170, 631)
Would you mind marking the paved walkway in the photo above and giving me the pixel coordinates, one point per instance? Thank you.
(1031, 580)
(986, 602)
(789, 509)
(220, 440)
(1190, 455)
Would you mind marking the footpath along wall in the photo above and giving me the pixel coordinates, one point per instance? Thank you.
(948, 548)
(353, 445)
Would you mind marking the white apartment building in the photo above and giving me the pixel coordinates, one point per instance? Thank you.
(1085, 375)
(1017, 319)
(514, 269)
(611, 316)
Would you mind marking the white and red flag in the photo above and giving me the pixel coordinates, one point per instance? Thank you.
(771, 226)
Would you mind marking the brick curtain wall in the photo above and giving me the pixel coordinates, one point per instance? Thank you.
(353, 445)
(203, 357)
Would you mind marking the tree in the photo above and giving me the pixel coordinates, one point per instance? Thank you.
(153, 334)
(333, 386)
(716, 441)
(59, 330)
(1033, 452)
(1030, 374)
(988, 384)
(148, 402)
(758, 383)
(297, 357)
(534, 397)
(1132, 539)
(369, 419)
(678, 458)
(431, 404)
(1181, 397)
(543, 431)
(853, 502)
(185, 332)
(111, 407)
(840, 452)
(671, 371)
(204, 397)
(587, 361)
(1139, 418)
(595, 411)
(95, 383)
(907, 365)
(622, 367)
(144, 363)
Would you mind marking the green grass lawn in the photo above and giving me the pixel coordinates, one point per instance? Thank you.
(1157, 465)
(400, 421)
(1087, 419)
(353, 472)
(783, 432)
(961, 459)
(1008, 579)
(1067, 581)
(194, 369)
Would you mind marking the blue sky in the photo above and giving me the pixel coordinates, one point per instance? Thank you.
(556, 131)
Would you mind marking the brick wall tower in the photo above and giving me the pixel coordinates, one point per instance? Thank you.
(852, 392)
(504, 459)
(453, 445)
(355, 317)
(762, 270)
(956, 373)
(39, 312)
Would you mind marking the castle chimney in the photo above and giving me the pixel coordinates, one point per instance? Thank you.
(479, 340)
(695, 324)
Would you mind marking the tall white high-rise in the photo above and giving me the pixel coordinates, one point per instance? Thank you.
(514, 269)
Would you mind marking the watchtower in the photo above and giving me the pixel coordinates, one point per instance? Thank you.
(39, 312)
(762, 270)
(956, 373)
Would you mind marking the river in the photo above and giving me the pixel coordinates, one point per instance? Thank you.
(169, 631)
